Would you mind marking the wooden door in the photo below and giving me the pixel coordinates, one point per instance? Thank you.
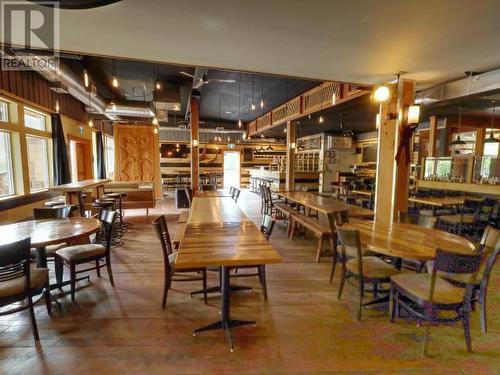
(81, 161)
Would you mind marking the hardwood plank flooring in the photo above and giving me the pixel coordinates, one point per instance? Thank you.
(302, 329)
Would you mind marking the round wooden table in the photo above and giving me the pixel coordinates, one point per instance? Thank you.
(407, 241)
(48, 232)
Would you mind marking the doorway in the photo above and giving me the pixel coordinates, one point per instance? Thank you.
(80, 159)
(231, 169)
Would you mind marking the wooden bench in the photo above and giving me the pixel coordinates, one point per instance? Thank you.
(183, 217)
(317, 229)
(179, 234)
(285, 212)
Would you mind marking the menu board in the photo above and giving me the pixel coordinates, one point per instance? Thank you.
(338, 143)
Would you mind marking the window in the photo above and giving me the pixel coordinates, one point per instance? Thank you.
(6, 177)
(4, 111)
(109, 155)
(34, 120)
(38, 163)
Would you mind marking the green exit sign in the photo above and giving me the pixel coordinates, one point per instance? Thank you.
(231, 146)
(80, 130)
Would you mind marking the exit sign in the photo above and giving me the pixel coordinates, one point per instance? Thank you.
(231, 146)
(80, 130)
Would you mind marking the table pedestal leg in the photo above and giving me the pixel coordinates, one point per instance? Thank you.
(226, 323)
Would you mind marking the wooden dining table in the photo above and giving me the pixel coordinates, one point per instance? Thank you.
(219, 234)
(407, 241)
(211, 194)
(73, 191)
(50, 232)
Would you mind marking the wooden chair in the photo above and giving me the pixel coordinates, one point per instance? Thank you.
(365, 269)
(169, 255)
(489, 248)
(266, 229)
(231, 191)
(236, 194)
(73, 256)
(16, 273)
(425, 296)
(61, 212)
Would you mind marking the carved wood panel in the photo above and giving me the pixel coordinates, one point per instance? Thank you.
(136, 153)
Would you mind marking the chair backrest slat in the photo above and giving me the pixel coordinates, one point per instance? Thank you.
(51, 213)
(350, 238)
(14, 260)
(108, 218)
(160, 225)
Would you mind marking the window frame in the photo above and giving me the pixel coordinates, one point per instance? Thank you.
(107, 150)
(5, 104)
(9, 163)
(47, 163)
(35, 112)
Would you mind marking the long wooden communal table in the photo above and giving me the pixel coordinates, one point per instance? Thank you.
(73, 191)
(325, 205)
(407, 241)
(219, 234)
(211, 194)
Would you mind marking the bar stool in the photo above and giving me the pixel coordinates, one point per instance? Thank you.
(101, 204)
(118, 197)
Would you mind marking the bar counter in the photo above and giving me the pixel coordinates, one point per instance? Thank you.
(309, 179)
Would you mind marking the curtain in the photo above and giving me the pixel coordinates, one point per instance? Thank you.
(60, 160)
(101, 165)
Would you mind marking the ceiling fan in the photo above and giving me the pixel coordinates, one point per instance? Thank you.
(199, 82)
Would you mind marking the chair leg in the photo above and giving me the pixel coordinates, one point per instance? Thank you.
(47, 297)
(72, 278)
(427, 333)
(262, 279)
(466, 324)
(31, 312)
(342, 280)
(319, 249)
(98, 269)
(334, 264)
(292, 227)
(205, 298)
(393, 304)
(110, 273)
(166, 286)
(59, 268)
(360, 302)
(482, 308)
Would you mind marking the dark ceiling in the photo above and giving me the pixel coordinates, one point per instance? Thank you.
(219, 102)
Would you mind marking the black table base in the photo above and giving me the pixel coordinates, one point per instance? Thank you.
(226, 323)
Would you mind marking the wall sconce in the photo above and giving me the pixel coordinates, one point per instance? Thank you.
(382, 94)
(413, 114)
(292, 146)
(155, 130)
(195, 143)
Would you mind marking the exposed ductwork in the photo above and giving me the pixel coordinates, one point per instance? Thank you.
(473, 84)
(71, 83)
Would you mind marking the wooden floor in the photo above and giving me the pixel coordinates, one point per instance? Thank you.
(302, 328)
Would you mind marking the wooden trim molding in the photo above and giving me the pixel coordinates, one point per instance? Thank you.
(21, 200)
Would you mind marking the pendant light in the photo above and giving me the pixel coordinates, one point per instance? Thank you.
(57, 106)
(253, 86)
(321, 119)
(90, 123)
(239, 102)
(261, 92)
(458, 141)
(86, 79)
(491, 138)
(113, 106)
(114, 81)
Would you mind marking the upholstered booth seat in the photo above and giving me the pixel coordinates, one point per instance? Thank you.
(78, 252)
(418, 285)
(38, 278)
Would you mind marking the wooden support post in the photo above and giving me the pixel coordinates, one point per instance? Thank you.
(195, 113)
(393, 179)
(480, 137)
(290, 156)
(433, 135)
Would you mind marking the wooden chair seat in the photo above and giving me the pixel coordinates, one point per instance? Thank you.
(183, 217)
(50, 250)
(373, 268)
(457, 219)
(79, 252)
(418, 286)
(13, 287)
